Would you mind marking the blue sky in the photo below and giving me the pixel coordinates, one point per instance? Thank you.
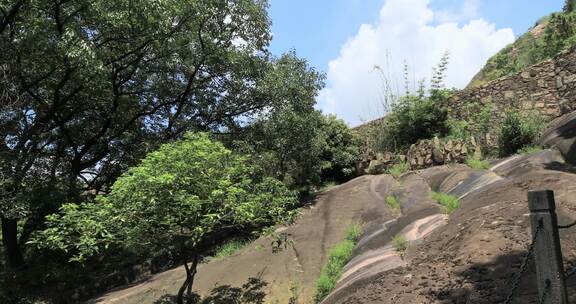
(335, 34)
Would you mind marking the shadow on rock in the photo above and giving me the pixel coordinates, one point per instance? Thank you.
(558, 166)
(494, 282)
(252, 292)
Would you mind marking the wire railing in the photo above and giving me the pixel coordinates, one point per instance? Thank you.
(545, 250)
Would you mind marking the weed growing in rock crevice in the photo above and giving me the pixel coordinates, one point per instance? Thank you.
(393, 202)
(448, 202)
(478, 164)
(398, 169)
(400, 244)
(338, 257)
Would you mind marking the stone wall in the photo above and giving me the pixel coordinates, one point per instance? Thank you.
(548, 88)
(378, 163)
(434, 152)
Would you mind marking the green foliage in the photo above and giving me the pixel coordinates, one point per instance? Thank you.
(230, 248)
(81, 230)
(398, 169)
(478, 164)
(110, 81)
(531, 149)
(518, 131)
(180, 196)
(439, 73)
(414, 116)
(89, 88)
(400, 244)
(448, 202)
(459, 129)
(304, 149)
(353, 232)
(327, 186)
(559, 34)
(478, 122)
(569, 6)
(393, 202)
(482, 119)
(338, 256)
(341, 150)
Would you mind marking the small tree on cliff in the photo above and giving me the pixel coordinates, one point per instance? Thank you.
(187, 196)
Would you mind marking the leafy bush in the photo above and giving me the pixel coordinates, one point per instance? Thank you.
(393, 202)
(459, 129)
(448, 202)
(477, 163)
(337, 258)
(414, 117)
(398, 169)
(419, 114)
(517, 132)
(400, 244)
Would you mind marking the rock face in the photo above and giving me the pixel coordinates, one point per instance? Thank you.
(473, 255)
(378, 163)
(548, 88)
(561, 133)
(433, 152)
(290, 273)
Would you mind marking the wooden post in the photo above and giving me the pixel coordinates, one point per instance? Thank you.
(547, 251)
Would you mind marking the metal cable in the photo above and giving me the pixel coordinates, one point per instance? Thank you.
(524, 265)
(566, 226)
(570, 273)
(545, 293)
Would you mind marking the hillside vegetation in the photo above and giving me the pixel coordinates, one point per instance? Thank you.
(549, 36)
(138, 131)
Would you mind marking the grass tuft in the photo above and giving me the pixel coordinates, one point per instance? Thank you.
(337, 258)
(353, 232)
(398, 169)
(229, 248)
(477, 164)
(448, 202)
(530, 150)
(393, 202)
(400, 244)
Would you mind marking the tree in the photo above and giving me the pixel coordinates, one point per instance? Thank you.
(189, 195)
(341, 150)
(569, 6)
(89, 87)
(287, 139)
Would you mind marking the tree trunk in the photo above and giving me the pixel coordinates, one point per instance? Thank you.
(14, 259)
(187, 285)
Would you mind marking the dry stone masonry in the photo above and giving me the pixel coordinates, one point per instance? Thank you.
(434, 152)
(548, 88)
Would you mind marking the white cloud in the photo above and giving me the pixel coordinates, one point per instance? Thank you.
(407, 30)
(469, 10)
